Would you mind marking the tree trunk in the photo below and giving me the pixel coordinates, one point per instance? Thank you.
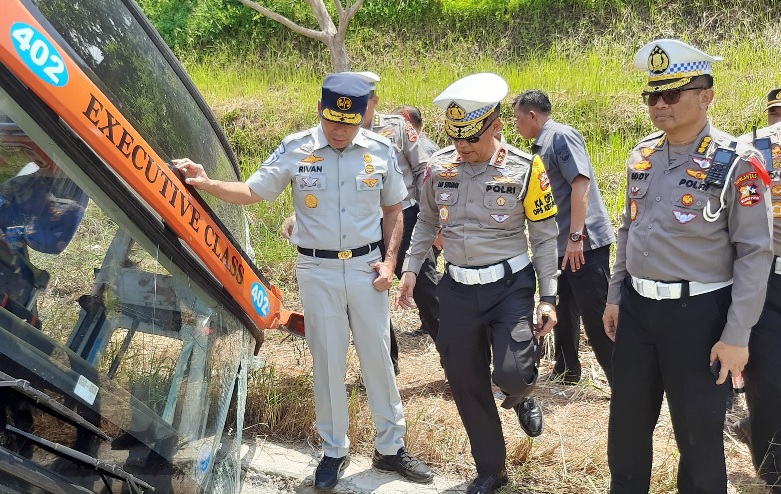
(339, 59)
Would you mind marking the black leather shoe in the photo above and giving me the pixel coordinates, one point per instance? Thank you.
(487, 484)
(328, 472)
(530, 416)
(405, 464)
(742, 431)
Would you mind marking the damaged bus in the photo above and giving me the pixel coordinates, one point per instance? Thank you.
(129, 305)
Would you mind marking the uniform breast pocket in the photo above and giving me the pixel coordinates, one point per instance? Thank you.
(499, 203)
(367, 194)
(687, 207)
(636, 192)
(309, 192)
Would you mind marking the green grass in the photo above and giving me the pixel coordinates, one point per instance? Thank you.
(582, 57)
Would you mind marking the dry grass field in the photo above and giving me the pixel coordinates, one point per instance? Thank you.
(570, 456)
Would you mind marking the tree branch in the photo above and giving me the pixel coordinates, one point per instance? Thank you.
(322, 16)
(309, 33)
(346, 16)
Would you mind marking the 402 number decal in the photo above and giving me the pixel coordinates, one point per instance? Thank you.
(39, 54)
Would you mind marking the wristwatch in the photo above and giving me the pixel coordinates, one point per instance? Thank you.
(577, 236)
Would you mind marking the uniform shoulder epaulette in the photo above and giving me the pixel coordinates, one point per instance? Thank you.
(396, 119)
(514, 151)
(444, 154)
(653, 136)
(297, 136)
(376, 137)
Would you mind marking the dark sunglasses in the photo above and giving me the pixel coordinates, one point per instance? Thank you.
(670, 97)
(473, 139)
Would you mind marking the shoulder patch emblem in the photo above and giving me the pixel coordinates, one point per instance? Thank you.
(776, 190)
(748, 195)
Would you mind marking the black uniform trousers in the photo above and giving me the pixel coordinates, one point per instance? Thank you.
(762, 377)
(424, 294)
(583, 294)
(663, 347)
(476, 321)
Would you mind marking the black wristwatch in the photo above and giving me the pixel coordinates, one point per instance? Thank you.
(577, 236)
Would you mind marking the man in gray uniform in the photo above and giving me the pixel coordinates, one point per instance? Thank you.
(693, 254)
(341, 176)
(412, 115)
(412, 159)
(585, 235)
(484, 195)
(412, 162)
(762, 374)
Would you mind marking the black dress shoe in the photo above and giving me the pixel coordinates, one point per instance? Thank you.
(405, 464)
(328, 472)
(487, 484)
(530, 416)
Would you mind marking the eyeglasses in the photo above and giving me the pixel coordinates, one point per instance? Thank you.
(473, 139)
(670, 97)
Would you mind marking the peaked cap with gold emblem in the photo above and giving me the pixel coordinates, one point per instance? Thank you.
(344, 98)
(672, 64)
(773, 98)
(370, 77)
(469, 101)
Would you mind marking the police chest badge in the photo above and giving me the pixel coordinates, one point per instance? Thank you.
(444, 214)
(310, 201)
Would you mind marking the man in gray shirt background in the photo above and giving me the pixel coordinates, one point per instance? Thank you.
(585, 235)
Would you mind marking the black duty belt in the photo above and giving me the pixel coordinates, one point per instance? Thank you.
(339, 254)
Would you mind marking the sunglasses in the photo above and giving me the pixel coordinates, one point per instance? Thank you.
(670, 97)
(473, 139)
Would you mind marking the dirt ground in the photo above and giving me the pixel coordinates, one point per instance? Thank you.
(569, 457)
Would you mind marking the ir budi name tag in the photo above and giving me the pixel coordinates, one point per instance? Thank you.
(310, 181)
(371, 181)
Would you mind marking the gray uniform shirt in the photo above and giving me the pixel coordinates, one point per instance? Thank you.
(411, 156)
(485, 210)
(563, 151)
(336, 195)
(774, 133)
(430, 146)
(664, 235)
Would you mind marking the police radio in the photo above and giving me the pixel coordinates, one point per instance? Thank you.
(763, 145)
(719, 167)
